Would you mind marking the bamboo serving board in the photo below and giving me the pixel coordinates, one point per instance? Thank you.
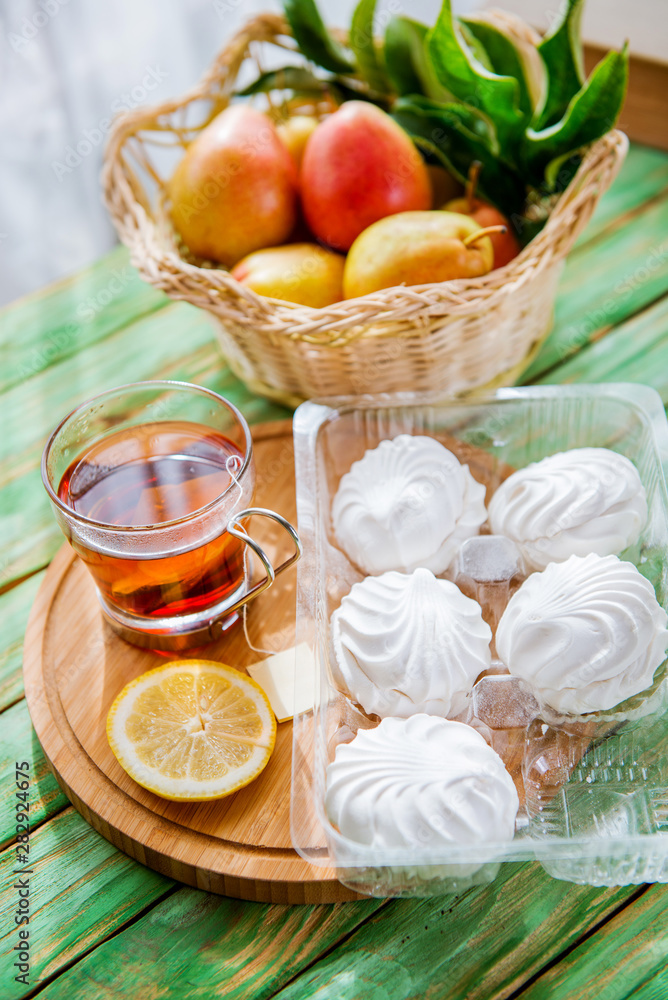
(74, 667)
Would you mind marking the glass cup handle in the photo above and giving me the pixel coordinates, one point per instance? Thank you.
(235, 529)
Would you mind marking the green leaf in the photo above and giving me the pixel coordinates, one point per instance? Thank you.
(303, 81)
(475, 46)
(561, 52)
(561, 170)
(288, 78)
(457, 69)
(407, 61)
(591, 113)
(505, 59)
(312, 37)
(404, 39)
(457, 136)
(363, 45)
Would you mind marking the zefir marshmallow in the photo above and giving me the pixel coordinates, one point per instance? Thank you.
(585, 634)
(572, 503)
(407, 643)
(407, 503)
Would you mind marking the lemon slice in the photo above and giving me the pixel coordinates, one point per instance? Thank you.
(192, 730)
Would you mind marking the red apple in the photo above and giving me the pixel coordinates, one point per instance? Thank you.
(359, 166)
(235, 190)
(505, 245)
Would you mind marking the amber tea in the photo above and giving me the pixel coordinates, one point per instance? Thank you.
(151, 474)
(152, 485)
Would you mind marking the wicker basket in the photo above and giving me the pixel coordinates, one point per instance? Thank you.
(452, 336)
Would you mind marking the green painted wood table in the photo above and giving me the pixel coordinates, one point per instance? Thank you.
(101, 925)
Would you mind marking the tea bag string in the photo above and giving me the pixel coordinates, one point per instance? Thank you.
(233, 464)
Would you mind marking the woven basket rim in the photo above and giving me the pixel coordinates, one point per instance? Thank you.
(162, 266)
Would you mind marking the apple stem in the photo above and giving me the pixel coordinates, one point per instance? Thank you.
(472, 184)
(488, 231)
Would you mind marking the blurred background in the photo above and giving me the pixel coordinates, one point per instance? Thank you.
(67, 66)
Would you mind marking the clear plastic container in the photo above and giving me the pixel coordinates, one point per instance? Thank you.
(593, 792)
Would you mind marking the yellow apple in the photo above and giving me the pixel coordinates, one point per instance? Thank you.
(294, 134)
(416, 248)
(299, 272)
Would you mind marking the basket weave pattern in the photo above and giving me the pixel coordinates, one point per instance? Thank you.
(450, 336)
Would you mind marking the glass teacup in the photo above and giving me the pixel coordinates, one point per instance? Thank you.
(152, 485)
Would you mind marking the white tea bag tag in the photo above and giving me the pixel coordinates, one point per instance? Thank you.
(288, 696)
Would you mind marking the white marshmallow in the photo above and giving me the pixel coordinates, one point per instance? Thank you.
(585, 634)
(409, 643)
(424, 783)
(407, 503)
(572, 503)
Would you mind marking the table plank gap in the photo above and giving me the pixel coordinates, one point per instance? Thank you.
(34, 827)
(19, 742)
(256, 946)
(643, 175)
(521, 991)
(6, 587)
(612, 962)
(385, 904)
(15, 605)
(635, 352)
(653, 311)
(79, 311)
(81, 889)
(47, 981)
(484, 944)
(623, 274)
(617, 223)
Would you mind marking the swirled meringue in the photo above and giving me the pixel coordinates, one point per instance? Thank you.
(572, 503)
(421, 782)
(409, 643)
(584, 634)
(407, 503)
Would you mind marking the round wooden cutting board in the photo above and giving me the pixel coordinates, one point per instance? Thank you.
(75, 665)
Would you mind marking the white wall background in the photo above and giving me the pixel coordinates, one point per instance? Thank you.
(67, 65)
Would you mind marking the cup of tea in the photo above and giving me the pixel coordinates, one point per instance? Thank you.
(152, 485)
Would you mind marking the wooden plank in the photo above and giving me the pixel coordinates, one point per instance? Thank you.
(654, 989)
(74, 314)
(637, 351)
(63, 319)
(39, 331)
(643, 177)
(607, 282)
(617, 960)
(479, 946)
(82, 890)
(158, 340)
(18, 742)
(178, 343)
(639, 345)
(24, 503)
(14, 610)
(220, 928)
(197, 945)
(483, 944)
(156, 344)
(152, 348)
